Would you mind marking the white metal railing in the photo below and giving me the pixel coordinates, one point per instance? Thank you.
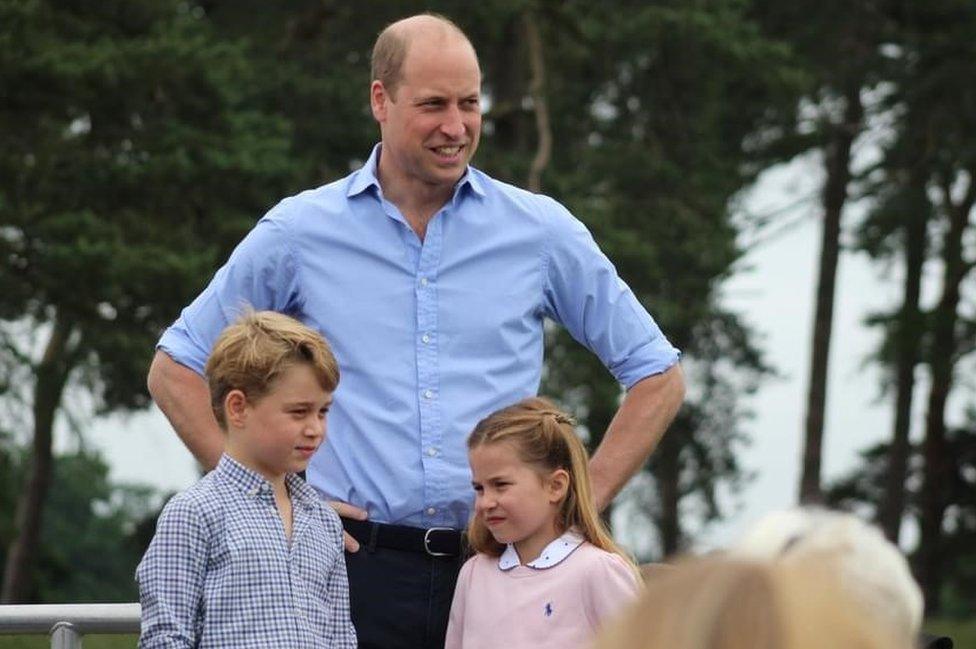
(67, 623)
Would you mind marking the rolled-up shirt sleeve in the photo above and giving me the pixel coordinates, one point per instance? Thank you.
(262, 273)
(584, 294)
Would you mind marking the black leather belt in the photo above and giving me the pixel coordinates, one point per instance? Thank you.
(434, 541)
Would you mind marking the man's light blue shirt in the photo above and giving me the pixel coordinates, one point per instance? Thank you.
(431, 336)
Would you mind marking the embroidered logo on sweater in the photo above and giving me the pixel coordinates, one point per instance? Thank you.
(548, 609)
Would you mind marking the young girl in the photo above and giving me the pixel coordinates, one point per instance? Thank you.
(546, 572)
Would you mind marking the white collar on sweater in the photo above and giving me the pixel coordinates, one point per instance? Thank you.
(553, 553)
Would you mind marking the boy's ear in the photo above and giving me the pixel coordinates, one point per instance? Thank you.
(558, 485)
(235, 408)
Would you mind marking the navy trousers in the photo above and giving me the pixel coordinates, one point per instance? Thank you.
(401, 600)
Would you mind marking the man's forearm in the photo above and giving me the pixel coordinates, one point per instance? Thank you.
(184, 398)
(643, 417)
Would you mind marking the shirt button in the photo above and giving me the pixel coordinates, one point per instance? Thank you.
(425, 338)
(431, 511)
(428, 394)
(423, 281)
(432, 452)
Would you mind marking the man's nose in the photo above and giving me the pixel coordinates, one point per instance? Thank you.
(453, 125)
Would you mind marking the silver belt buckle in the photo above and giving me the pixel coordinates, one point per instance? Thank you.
(427, 541)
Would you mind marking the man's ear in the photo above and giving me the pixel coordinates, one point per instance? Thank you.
(378, 97)
(235, 408)
(558, 485)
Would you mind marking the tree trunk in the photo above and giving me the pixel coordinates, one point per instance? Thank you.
(669, 489)
(601, 409)
(838, 157)
(908, 331)
(944, 343)
(537, 85)
(52, 373)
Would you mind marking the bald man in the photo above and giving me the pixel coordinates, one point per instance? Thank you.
(431, 280)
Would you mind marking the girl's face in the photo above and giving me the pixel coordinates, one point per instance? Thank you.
(517, 503)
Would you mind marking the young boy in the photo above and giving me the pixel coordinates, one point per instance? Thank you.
(250, 556)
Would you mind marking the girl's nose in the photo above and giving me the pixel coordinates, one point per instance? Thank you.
(484, 502)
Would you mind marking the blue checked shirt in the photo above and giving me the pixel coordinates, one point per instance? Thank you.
(220, 572)
(431, 336)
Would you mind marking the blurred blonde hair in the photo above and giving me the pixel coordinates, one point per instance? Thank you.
(252, 353)
(545, 438)
(720, 603)
(872, 569)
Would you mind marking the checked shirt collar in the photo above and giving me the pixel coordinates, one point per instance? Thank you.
(254, 485)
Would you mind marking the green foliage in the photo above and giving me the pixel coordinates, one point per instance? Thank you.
(962, 632)
(8, 489)
(129, 159)
(91, 541)
(651, 149)
(861, 490)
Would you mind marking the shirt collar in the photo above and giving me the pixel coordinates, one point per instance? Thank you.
(551, 555)
(366, 178)
(255, 485)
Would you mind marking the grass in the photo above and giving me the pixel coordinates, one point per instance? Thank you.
(90, 641)
(962, 632)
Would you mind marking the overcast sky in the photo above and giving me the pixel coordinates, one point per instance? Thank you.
(774, 292)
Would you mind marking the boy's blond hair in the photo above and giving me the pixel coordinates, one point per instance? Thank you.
(252, 353)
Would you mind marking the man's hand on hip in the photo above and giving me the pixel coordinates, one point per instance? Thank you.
(345, 510)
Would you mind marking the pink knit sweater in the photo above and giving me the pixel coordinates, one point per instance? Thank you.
(562, 606)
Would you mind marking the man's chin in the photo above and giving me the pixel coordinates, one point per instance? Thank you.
(446, 176)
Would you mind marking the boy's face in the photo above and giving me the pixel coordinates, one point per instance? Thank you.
(279, 433)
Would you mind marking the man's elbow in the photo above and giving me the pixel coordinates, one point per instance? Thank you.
(677, 386)
(157, 378)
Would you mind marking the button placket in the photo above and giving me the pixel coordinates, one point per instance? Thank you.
(428, 378)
